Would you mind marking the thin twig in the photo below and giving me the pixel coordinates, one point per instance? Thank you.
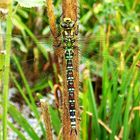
(104, 125)
(121, 133)
(136, 108)
(107, 128)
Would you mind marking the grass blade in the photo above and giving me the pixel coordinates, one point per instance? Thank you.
(7, 70)
(116, 115)
(20, 135)
(92, 106)
(34, 107)
(16, 115)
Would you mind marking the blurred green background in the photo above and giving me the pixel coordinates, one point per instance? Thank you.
(109, 51)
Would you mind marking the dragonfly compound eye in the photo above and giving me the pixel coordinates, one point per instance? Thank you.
(71, 24)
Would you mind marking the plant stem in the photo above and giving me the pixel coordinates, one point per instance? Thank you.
(47, 119)
(69, 8)
(6, 72)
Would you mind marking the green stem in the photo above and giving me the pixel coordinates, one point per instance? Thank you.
(6, 72)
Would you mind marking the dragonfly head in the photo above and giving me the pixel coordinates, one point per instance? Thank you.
(67, 23)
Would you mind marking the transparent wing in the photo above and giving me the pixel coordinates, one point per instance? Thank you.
(90, 47)
(94, 52)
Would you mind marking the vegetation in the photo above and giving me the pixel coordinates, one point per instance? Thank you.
(109, 71)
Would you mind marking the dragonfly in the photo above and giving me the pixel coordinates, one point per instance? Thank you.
(22, 43)
(90, 50)
(90, 47)
(28, 52)
(38, 65)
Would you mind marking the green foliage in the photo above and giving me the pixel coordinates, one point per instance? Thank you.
(90, 106)
(20, 135)
(55, 120)
(6, 72)
(31, 3)
(110, 78)
(22, 122)
(2, 56)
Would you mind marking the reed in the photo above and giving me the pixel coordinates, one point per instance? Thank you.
(7, 70)
(47, 119)
(69, 8)
(55, 35)
(109, 93)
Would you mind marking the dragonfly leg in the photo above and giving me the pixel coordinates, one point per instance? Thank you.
(75, 131)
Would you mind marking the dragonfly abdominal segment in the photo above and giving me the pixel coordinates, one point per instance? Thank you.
(68, 33)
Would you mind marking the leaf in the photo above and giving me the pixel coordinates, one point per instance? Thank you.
(2, 56)
(21, 44)
(55, 120)
(17, 22)
(31, 3)
(116, 115)
(92, 106)
(18, 132)
(16, 115)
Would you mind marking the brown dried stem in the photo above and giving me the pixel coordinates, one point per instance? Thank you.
(69, 8)
(54, 31)
(47, 119)
(107, 128)
(4, 3)
(52, 21)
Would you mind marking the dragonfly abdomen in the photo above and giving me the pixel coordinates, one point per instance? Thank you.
(69, 39)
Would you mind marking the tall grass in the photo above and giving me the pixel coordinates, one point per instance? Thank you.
(112, 111)
(7, 71)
